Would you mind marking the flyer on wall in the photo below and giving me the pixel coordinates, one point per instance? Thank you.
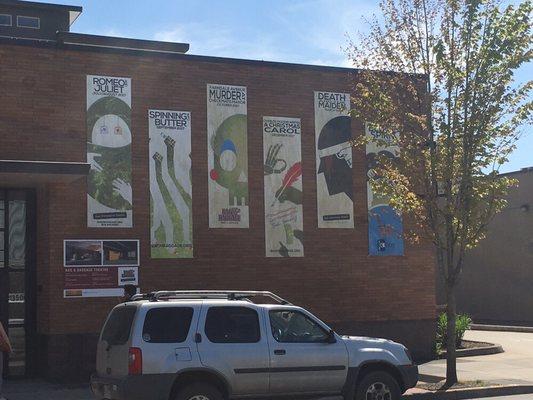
(282, 157)
(99, 268)
(170, 184)
(334, 180)
(109, 193)
(227, 156)
(385, 225)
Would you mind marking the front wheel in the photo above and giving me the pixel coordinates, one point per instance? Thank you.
(199, 391)
(378, 385)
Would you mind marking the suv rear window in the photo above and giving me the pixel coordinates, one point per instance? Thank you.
(118, 326)
(232, 325)
(167, 324)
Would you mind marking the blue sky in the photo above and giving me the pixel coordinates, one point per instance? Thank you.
(300, 31)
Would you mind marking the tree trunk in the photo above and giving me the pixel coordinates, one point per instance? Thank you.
(451, 356)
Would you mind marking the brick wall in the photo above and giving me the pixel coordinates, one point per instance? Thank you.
(42, 117)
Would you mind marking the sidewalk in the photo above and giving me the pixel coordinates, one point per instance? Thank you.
(514, 366)
(40, 390)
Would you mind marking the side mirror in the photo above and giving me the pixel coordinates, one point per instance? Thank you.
(331, 337)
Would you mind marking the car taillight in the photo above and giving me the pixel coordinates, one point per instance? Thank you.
(135, 361)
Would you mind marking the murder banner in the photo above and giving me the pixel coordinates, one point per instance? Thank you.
(333, 160)
(385, 226)
(170, 184)
(282, 157)
(227, 156)
(109, 194)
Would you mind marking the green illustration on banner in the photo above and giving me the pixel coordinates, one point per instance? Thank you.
(170, 184)
(283, 187)
(227, 156)
(109, 192)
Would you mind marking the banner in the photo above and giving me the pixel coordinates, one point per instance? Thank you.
(333, 160)
(170, 184)
(109, 195)
(385, 226)
(282, 156)
(227, 156)
(99, 268)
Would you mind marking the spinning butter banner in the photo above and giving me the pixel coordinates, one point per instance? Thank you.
(283, 187)
(109, 194)
(170, 184)
(333, 160)
(385, 226)
(227, 156)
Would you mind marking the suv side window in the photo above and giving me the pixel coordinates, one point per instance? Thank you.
(167, 324)
(118, 326)
(295, 327)
(232, 325)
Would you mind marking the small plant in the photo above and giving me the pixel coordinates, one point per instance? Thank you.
(462, 324)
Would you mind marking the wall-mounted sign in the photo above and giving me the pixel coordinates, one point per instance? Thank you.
(100, 268)
(227, 156)
(333, 160)
(170, 184)
(385, 226)
(109, 194)
(282, 155)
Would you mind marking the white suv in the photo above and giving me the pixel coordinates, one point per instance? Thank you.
(215, 345)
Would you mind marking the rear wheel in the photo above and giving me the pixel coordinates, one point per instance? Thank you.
(199, 391)
(378, 385)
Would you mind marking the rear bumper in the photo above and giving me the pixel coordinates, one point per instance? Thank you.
(409, 375)
(137, 387)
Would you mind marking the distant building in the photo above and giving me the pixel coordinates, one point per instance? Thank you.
(497, 282)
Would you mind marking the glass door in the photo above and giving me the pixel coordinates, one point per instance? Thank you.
(15, 268)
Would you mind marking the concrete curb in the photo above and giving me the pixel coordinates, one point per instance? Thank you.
(479, 351)
(501, 328)
(458, 394)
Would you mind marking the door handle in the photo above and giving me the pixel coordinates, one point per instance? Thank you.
(280, 352)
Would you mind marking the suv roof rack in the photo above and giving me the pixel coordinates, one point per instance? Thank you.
(208, 294)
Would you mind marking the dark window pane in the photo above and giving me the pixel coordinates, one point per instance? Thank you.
(2, 214)
(295, 327)
(118, 326)
(5, 20)
(167, 325)
(28, 22)
(17, 233)
(232, 325)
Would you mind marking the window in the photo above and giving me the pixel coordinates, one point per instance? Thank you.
(167, 324)
(232, 325)
(295, 327)
(5, 20)
(28, 22)
(118, 326)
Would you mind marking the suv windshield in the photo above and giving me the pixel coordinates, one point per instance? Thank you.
(118, 326)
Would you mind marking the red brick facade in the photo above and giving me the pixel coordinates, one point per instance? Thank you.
(43, 117)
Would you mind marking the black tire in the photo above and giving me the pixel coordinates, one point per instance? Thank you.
(206, 390)
(380, 382)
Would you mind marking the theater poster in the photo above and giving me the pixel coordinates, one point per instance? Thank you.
(282, 155)
(333, 160)
(99, 268)
(109, 195)
(385, 226)
(170, 184)
(227, 156)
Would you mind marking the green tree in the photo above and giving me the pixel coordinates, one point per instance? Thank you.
(449, 100)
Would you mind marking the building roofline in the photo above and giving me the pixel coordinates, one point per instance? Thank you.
(121, 43)
(53, 44)
(74, 11)
(519, 171)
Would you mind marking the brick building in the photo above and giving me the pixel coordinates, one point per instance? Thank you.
(45, 173)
